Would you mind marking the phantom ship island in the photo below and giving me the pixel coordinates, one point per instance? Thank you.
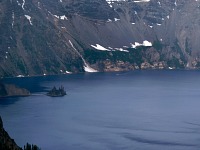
(57, 92)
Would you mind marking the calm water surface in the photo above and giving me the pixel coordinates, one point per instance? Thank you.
(141, 110)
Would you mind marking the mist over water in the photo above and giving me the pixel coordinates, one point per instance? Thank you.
(143, 110)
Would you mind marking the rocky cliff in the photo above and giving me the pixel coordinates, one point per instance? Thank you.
(6, 143)
(63, 36)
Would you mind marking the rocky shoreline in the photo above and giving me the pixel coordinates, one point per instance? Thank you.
(7, 143)
(11, 90)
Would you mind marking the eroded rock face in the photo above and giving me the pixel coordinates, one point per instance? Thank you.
(35, 35)
(6, 143)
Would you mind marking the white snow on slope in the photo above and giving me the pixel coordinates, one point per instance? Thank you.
(135, 45)
(145, 43)
(116, 19)
(99, 47)
(56, 16)
(175, 3)
(109, 20)
(23, 4)
(29, 19)
(63, 17)
(121, 50)
(18, 3)
(87, 68)
(13, 18)
(20, 76)
(110, 2)
(142, 1)
(68, 72)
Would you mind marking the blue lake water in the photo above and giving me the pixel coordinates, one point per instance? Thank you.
(139, 110)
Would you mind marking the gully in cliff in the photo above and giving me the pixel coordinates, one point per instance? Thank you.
(57, 92)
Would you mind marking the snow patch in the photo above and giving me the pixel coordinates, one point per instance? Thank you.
(99, 47)
(20, 76)
(175, 3)
(109, 20)
(145, 43)
(23, 3)
(139, 1)
(68, 72)
(18, 3)
(168, 17)
(122, 50)
(135, 45)
(63, 17)
(56, 16)
(13, 19)
(116, 19)
(29, 19)
(87, 68)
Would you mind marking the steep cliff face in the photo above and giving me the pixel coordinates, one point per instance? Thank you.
(61, 36)
(6, 143)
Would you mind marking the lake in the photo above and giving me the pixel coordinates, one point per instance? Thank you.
(139, 110)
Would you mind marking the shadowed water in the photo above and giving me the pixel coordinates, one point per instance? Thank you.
(142, 110)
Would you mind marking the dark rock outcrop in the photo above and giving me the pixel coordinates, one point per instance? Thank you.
(9, 90)
(6, 143)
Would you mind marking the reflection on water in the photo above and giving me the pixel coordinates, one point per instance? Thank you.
(140, 110)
